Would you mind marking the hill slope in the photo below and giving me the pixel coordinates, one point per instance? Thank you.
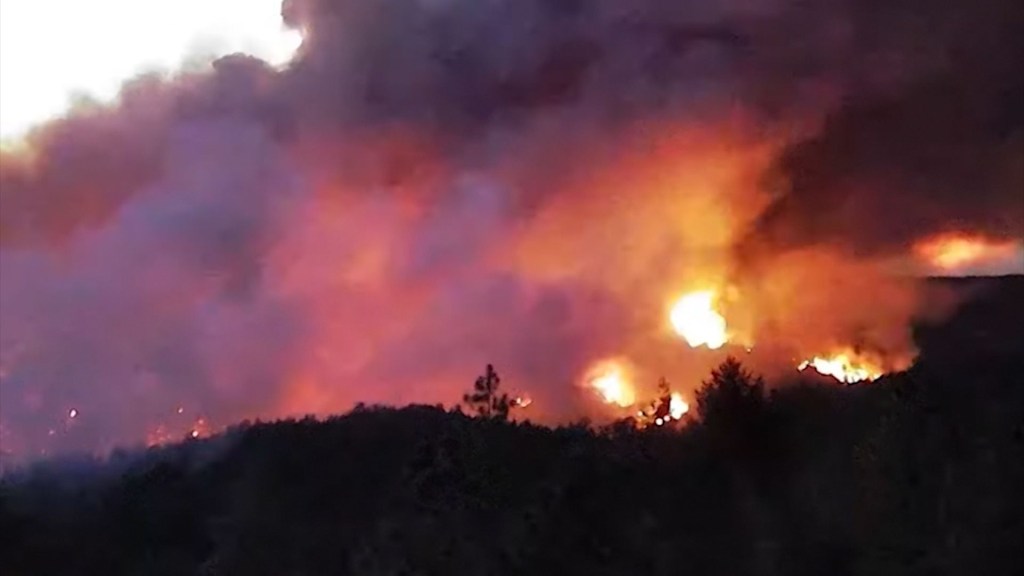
(918, 473)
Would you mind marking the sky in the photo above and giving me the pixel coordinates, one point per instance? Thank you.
(115, 40)
(326, 202)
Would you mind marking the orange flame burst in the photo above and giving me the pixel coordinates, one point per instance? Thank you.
(608, 379)
(846, 366)
(677, 407)
(695, 318)
(955, 251)
(660, 412)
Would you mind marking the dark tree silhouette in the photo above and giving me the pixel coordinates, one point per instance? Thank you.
(663, 404)
(731, 404)
(485, 399)
(731, 392)
(664, 389)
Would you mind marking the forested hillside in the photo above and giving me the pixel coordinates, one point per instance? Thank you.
(917, 473)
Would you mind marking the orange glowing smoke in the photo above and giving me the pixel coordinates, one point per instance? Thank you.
(694, 318)
(608, 379)
(847, 366)
(955, 251)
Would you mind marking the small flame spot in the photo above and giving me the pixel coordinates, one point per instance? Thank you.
(608, 380)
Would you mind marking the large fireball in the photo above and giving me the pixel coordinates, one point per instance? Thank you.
(695, 319)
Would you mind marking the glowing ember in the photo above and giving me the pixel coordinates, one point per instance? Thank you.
(846, 366)
(609, 381)
(162, 434)
(522, 401)
(950, 252)
(72, 413)
(695, 319)
(158, 435)
(181, 410)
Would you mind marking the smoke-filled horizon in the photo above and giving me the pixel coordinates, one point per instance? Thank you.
(433, 185)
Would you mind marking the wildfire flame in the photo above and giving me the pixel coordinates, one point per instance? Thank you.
(200, 429)
(694, 318)
(522, 401)
(166, 434)
(954, 251)
(845, 366)
(609, 381)
(662, 412)
(677, 407)
(159, 435)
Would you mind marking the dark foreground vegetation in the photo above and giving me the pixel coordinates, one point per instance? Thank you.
(918, 473)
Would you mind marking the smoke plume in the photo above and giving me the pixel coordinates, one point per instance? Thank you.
(433, 185)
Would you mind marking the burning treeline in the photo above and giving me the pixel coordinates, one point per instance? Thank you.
(546, 185)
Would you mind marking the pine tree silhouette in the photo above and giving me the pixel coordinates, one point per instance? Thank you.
(664, 389)
(663, 404)
(732, 392)
(732, 404)
(485, 399)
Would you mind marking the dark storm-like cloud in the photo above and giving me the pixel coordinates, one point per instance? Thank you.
(463, 67)
(922, 101)
(938, 147)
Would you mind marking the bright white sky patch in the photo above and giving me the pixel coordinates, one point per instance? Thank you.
(52, 50)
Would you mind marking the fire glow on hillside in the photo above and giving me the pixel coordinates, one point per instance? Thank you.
(956, 251)
(610, 381)
(695, 318)
(847, 367)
